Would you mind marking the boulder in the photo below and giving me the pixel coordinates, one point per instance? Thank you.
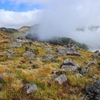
(71, 51)
(28, 55)
(30, 88)
(61, 51)
(93, 91)
(68, 64)
(60, 79)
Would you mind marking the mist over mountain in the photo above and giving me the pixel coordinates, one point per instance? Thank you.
(78, 20)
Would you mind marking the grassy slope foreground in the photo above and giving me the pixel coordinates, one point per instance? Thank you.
(18, 73)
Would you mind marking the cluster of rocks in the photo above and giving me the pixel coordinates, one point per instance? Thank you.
(92, 91)
(72, 45)
(49, 56)
(15, 44)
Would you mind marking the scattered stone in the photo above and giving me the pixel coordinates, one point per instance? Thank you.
(61, 79)
(48, 49)
(78, 75)
(94, 57)
(12, 51)
(31, 61)
(48, 56)
(72, 45)
(91, 63)
(9, 55)
(28, 49)
(30, 68)
(47, 44)
(95, 76)
(55, 72)
(30, 88)
(15, 44)
(38, 59)
(61, 51)
(68, 64)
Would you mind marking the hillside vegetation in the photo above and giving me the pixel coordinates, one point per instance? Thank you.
(17, 68)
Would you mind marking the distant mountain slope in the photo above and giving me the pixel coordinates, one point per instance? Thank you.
(24, 28)
(8, 30)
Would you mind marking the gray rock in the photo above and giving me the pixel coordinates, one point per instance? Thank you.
(83, 70)
(91, 63)
(55, 72)
(94, 57)
(48, 49)
(28, 49)
(68, 51)
(12, 51)
(61, 79)
(48, 56)
(9, 55)
(61, 51)
(97, 51)
(68, 64)
(78, 75)
(31, 67)
(28, 55)
(71, 51)
(15, 44)
(30, 88)
(31, 61)
(38, 59)
(93, 91)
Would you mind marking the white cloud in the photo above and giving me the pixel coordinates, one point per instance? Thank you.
(18, 19)
(61, 18)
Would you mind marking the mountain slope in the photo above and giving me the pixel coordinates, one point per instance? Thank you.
(40, 63)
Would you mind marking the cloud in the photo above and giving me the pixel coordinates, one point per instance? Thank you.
(18, 19)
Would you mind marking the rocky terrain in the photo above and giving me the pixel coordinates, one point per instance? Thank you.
(32, 70)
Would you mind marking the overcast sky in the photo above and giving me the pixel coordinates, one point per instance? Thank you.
(56, 17)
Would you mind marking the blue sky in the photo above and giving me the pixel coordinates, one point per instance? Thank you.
(22, 7)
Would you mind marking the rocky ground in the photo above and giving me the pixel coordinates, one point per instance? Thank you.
(31, 70)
